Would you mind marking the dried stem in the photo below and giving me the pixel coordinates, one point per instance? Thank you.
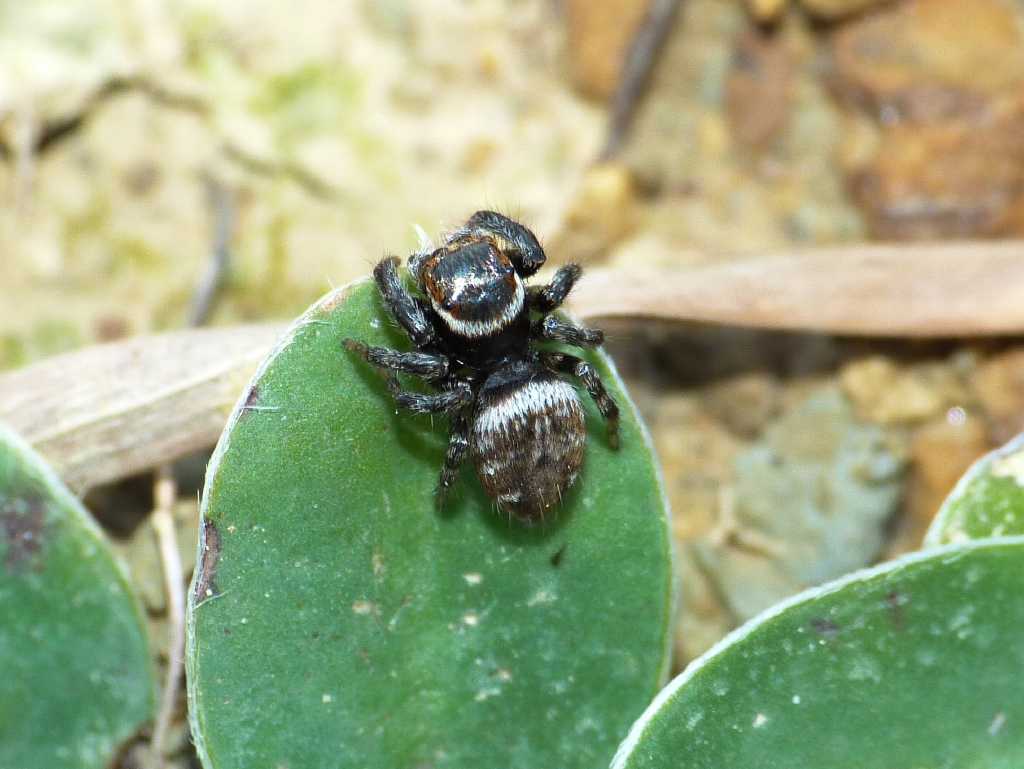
(162, 520)
(209, 289)
(635, 75)
(951, 290)
(117, 409)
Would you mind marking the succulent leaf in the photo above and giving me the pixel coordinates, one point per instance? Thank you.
(987, 502)
(76, 678)
(915, 663)
(336, 619)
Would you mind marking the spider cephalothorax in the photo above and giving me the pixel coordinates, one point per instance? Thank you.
(474, 330)
(474, 288)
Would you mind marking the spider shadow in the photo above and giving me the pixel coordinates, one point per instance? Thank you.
(412, 431)
(469, 498)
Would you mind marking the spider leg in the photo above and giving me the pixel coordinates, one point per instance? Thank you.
(458, 448)
(444, 402)
(521, 245)
(546, 298)
(427, 366)
(553, 329)
(410, 312)
(570, 364)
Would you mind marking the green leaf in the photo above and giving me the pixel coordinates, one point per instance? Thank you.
(916, 664)
(76, 678)
(987, 502)
(337, 620)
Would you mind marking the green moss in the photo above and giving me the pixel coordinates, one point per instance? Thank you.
(316, 98)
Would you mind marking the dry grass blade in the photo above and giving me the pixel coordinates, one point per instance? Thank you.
(109, 411)
(949, 290)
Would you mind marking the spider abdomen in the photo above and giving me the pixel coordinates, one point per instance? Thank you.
(527, 443)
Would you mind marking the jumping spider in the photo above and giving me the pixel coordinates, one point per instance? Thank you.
(520, 422)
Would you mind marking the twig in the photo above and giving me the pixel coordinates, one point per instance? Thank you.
(165, 493)
(635, 75)
(212, 283)
(26, 130)
(51, 133)
(308, 180)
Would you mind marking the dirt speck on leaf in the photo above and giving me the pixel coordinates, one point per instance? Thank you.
(365, 607)
(23, 523)
(556, 559)
(825, 628)
(896, 601)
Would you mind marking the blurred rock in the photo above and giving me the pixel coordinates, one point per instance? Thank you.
(836, 9)
(759, 91)
(766, 11)
(812, 500)
(953, 179)
(744, 403)
(478, 156)
(110, 327)
(940, 452)
(696, 455)
(734, 145)
(941, 82)
(701, 617)
(920, 59)
(999, 386)
(599, 35)
(601, 213)
(889, 394)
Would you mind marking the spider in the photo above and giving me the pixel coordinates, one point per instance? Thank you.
(474, 333)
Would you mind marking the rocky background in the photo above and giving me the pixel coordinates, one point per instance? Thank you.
(139, 136)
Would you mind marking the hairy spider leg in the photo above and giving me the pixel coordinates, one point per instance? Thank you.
(410, 312)
(425, 365)
(554, 329)
(445, 402)
(455, 455)
(521, 245)
(547, 298)
(570, 364)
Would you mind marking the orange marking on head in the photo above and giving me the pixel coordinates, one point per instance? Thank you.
(427, 271)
